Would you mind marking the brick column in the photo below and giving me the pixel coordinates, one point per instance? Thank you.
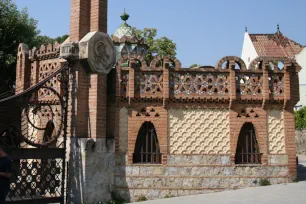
(97, 105)
(131, 79)
(23, 69)
(79, 19)
(265, 82)
(232, 79)
(98, 16)
(290, 86)
(290, 143)
(166, 78)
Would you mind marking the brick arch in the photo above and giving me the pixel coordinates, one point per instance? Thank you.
(139, 139)
(135, 122)
(263, 60)
(240, 126)
(140, 59)
(137, 129)
(177, 63)
(260, 126)
(237, 60)
(121, 60)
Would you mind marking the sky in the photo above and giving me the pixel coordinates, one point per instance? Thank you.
(203, 30)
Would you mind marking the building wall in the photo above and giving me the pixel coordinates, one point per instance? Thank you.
(198, 131)
(248, 50)
(301, 60)
(189, 175)
(200, 152)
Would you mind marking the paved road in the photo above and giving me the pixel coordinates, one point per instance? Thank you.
(293, 193)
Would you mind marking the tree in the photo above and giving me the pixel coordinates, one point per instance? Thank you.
(194, 65)
(162, 46)
(16, 27)
(43, 39)
(300, 118)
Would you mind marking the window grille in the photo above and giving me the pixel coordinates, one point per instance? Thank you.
(147, 147)
(247, 148)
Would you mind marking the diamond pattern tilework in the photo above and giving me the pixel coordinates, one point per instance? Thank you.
(199, 131)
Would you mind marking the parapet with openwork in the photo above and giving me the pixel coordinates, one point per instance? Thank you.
(264, 81)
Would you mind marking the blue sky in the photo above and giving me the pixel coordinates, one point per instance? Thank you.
(204, 30)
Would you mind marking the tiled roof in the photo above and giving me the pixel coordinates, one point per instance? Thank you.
(275, 45)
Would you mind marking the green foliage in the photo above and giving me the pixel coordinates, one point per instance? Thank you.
(264, 182)
(295, 180)
(300, 118)
(16, 27)
(162, 46)
(141, 198)
(43, 39)
(169, 196)
(194, 65)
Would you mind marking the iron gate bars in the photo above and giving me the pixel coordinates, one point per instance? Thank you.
(247, 148)
(33, 128)
(147, 147)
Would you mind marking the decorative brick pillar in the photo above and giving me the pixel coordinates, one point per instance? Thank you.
(131, 79)
(97, 105)
(290, 143)
(166, 80)
(232, 79)
(23, 69)
(289, 121)
(265, 82)
(98, 16)
(79, 19)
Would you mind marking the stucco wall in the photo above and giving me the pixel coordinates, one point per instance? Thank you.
(123, 130)
(199, 131)
(248, 50)
(276, 134)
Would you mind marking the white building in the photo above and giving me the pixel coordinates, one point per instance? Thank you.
(276, 45)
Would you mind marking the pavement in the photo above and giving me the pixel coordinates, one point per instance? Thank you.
(292, 193)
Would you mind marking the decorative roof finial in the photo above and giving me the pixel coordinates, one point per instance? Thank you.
(246, 29)
(278, 28)
(124, 16)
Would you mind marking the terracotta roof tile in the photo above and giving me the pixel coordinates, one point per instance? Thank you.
(275, 45)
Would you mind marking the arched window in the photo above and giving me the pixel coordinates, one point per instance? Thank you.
(147, 146)
(247, 148)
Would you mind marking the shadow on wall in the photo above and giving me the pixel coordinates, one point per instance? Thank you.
(300, 136)
(301, 172)
(91, 161)
(121, 192)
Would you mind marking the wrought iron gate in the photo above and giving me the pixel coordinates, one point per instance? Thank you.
(33, 128)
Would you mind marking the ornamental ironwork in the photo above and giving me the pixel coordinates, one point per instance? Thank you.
(33, 126)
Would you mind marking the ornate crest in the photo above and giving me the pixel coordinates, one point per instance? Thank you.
(99, 51)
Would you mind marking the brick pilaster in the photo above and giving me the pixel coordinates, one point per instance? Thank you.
(131, 79)
(265, 82)
(97, 105)
(287, 81)
(232, 78)
(79, 19)
(290, 143)
(23, 69)
(98, 16)
(166, 81)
